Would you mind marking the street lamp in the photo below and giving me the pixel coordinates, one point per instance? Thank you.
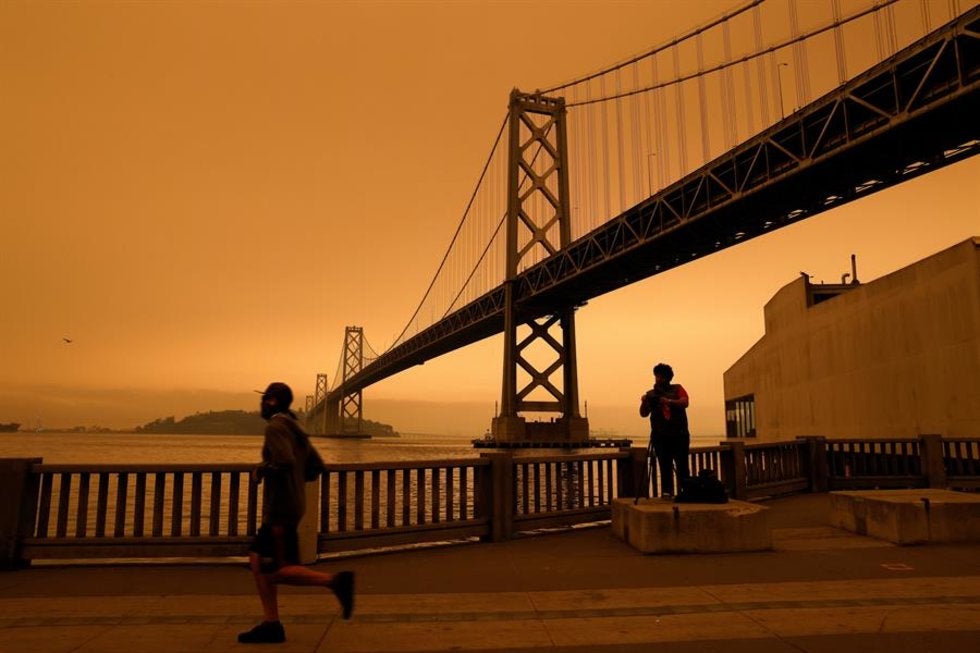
(779, 77)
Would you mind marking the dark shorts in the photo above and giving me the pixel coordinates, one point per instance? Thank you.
(275, 552)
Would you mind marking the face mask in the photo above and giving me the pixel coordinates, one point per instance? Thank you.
(267, 410)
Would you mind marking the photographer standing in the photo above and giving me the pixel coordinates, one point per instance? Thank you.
(666, 405)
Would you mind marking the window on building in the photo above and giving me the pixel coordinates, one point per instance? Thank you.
(740, 417)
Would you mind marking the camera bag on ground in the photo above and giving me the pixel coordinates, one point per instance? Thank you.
(703, 488)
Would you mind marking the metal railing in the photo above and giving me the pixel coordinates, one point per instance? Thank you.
(856, 464)
(205, 511)
(386, 504)
(961, 462)
(140, 510)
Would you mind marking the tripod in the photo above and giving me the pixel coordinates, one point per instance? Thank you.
(643, 482)
(648, 470)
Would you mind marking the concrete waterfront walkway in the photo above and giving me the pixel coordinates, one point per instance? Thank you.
(819, 590)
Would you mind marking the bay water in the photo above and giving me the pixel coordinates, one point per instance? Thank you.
(140, 448)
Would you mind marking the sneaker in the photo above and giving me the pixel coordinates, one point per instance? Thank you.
(343, 588)
(267, 632)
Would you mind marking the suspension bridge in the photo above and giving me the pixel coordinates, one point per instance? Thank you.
(772, 113)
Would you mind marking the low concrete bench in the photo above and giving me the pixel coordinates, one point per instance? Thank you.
(661, 526)
(908, 516)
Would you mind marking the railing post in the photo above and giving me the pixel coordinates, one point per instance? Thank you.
(18, 510)
(933, 462)
(308, 528)
(631, 472)
(500, 495)
(816, 462)
(733, 464)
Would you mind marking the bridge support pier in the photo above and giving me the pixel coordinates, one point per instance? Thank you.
(518, 429)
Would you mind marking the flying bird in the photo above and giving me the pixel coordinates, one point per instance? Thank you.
(68, 341)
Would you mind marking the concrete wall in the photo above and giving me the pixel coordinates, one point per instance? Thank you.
(895, 357)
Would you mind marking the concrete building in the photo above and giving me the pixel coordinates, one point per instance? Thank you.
(896, 357)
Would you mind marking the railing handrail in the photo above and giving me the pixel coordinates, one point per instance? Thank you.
(840, 441)
(768, 445)
(435, 463)
(138, 468)
(712, 448)
(569, 458)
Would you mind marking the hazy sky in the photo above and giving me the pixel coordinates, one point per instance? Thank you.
(202, 195)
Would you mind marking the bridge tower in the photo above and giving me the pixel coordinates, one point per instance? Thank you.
(319, 425)
(350, 404)
(537, 226)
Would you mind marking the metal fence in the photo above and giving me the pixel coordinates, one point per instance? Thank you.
(204, 511)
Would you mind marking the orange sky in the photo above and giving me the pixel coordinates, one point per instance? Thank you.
(202, 196)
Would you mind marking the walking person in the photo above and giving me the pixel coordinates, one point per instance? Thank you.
(666, 406)
(274, 553)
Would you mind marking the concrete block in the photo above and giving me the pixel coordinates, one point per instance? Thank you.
(661, 526)
(908, 516)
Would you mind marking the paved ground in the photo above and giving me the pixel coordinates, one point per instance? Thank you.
(819, 590)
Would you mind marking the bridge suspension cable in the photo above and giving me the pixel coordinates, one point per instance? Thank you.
(453, 240)
(671, 44)
(678, 78)
(702, 94)
(338, 372)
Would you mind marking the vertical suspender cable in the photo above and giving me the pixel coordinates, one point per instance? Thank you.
(593, 162)
(702, 102)
(746, 69)
(652, 123)
(926, 20)
(574, 156)
(760, 63)
(637, 144)
(879, 45)
(620, 138)
(805, 72)
(892, 29)
(662, 142)
(680, 122)
(801, 76)
(435, 278)
(954, 9)
(604, 126)
(776, 81)
(728, 86)
(839, 45)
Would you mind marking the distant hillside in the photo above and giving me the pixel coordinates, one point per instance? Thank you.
(221, 422)
(232, 422)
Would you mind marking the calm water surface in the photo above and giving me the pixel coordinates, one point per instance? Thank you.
(94, 448)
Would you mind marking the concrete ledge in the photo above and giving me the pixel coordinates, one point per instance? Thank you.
(908, 516)
(661, 526)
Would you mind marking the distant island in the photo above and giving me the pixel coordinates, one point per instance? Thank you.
(235, 422)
